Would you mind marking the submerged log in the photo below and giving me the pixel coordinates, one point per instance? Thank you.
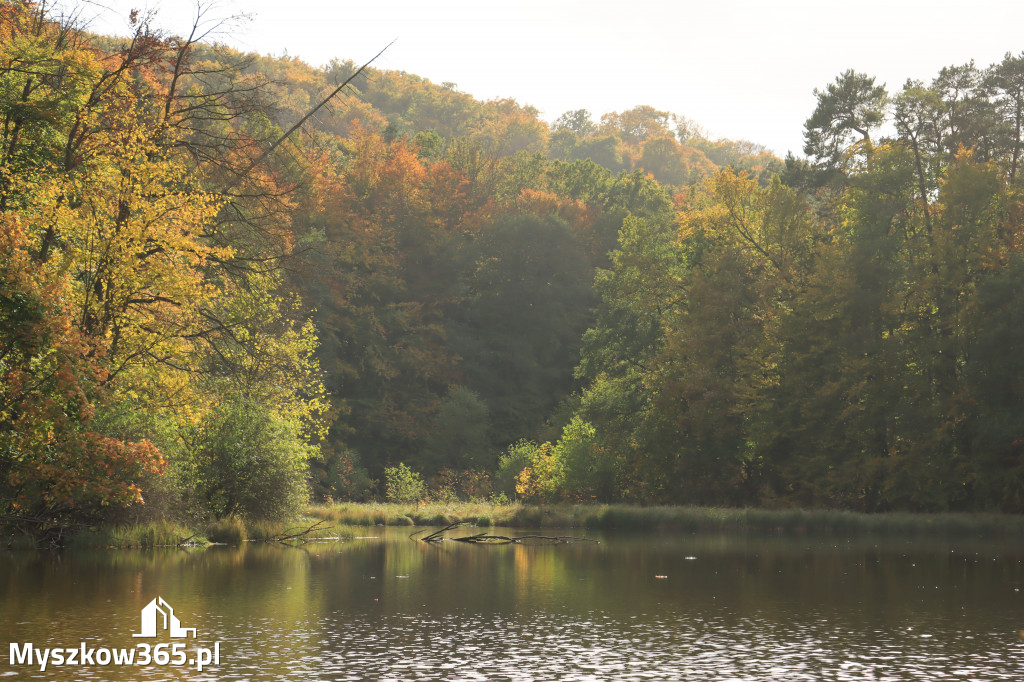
(487, 539)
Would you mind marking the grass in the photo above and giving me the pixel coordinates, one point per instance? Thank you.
(230, 531)
(672, 518)
(151, 534)
(439, 514)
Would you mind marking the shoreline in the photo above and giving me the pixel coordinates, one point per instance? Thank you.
(672, 518)
(338, 520)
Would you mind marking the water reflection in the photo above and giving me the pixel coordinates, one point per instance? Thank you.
(394, 609)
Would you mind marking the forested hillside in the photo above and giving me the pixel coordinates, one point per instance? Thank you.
(201, 317)
(846, 336)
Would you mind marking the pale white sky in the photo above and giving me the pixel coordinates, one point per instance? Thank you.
(743, 69)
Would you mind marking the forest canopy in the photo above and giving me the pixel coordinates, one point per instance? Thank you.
(419, 284)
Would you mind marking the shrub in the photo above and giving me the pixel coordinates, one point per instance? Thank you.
(451, 486)
(403, 485)
(160, 492)
(576, 468)
(542, 480)
(518, 457)
(587, 469)
(246, 460)
(338, 475)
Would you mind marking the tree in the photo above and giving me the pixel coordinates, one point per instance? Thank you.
(459, 437)
(641, 282)
(403, 485)
(396, 231)
(527, 303)
(54, 468)
(513, 128)
(853, 104)
(578, 121)
(993, 378)
(638, 124)
(604, 150)
(1007, 78)
(917, 121)
(673, 164)
(150, 306)
(968, 119)
(245, 460)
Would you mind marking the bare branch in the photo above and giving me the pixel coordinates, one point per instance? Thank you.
(305, 118)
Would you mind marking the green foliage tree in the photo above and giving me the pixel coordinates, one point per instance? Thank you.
(589, 470)
(968, 118)
(460, 434)
(403, 485)
(579, 122)
(244, 460)
(528, 302)
(852, 105)
(992, 376)
(665, 159)
(1007, 78)
(511, 464)
(604, 150)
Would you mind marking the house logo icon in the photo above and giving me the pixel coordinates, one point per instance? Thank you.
(151, 620)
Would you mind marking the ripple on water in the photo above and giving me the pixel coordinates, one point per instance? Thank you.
(547, 647)
(529, 615)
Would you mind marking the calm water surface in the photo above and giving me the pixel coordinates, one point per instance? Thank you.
(388, 608)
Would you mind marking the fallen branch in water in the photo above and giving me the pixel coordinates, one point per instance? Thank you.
(185, 541)
(301, 535)
(486, 539)
(46, 532)
(433, 536)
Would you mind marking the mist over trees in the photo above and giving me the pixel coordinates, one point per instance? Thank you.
(616, 309)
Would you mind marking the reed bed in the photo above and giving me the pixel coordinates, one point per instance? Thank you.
(672, 518)
(231, 530)
(139, 535)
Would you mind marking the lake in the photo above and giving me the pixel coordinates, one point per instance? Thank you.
(637, 606)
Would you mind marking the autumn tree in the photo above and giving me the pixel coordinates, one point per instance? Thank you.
(103, 180)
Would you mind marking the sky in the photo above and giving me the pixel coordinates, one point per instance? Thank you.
(742, 69)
